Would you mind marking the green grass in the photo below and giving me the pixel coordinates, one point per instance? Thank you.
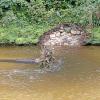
(28, 34)
(95, 35)
(96, 32)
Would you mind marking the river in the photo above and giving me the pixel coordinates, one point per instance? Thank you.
(78, 77)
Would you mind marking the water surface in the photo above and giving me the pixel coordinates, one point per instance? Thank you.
(77, 78)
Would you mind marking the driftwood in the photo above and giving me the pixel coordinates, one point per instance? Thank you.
(27, 61)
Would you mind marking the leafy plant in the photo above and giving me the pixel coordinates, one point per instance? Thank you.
(24, 21)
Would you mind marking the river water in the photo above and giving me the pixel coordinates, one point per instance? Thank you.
(76, 78)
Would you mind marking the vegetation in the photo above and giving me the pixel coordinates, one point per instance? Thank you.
(95, 40)
(24, 21)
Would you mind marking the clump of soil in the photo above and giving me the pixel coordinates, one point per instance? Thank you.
(65, 34)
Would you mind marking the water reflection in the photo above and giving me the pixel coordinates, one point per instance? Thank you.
(21, 76)
(78, 78)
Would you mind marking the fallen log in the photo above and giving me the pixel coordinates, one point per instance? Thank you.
(46, 59)
(26, 61)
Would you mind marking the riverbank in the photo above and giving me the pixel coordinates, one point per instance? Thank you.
(95, 39)
(66, 34)
(30, 34)
(22, 35)
(22, 22)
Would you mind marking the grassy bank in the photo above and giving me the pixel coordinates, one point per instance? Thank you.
(95, 39)
(27, 34)
(24, 21)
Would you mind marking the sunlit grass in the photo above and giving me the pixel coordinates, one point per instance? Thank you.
(96, 35)
(28, 34)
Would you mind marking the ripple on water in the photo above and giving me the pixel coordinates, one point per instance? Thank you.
(23, 76)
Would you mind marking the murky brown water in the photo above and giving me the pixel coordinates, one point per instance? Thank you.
(77, 79)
